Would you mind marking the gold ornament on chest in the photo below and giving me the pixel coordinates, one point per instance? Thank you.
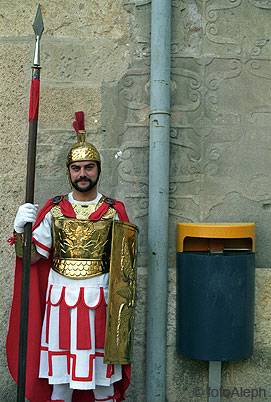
(81, 239)
(81, 246)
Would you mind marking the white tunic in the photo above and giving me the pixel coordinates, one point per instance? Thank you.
(81, 368)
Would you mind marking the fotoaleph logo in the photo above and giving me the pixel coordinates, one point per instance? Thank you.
(231, 393)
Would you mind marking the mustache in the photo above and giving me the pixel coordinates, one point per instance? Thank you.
(83, 179)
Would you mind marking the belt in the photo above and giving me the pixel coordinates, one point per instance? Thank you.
(79, 269)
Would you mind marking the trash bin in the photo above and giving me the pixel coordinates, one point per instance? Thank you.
(215, 290)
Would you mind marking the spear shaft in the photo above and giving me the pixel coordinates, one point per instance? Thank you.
(29, 197)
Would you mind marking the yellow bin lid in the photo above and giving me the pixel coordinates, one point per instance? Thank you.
(201, 236)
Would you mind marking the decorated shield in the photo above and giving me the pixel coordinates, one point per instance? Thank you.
(122, 293)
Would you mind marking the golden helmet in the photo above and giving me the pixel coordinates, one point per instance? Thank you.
(82, 150)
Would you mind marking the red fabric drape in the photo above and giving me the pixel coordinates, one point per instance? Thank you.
(68, 211)
(65, 206)
(37, 389)
(83, 326)
(100, 324)
(118, 206)
(34, 100)
(64, 326)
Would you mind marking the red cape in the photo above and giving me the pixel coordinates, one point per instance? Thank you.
(37, 389)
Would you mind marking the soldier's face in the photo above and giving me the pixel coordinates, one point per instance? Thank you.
(84, 175)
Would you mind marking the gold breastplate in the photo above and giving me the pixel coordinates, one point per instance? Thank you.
(81, 247)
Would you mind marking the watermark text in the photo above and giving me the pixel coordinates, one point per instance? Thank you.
(230, 393)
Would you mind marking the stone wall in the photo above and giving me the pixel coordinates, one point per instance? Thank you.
(95, 57)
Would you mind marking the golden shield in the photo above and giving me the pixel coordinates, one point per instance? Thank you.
(122, 289)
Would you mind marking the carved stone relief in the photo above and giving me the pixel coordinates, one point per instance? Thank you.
(261, 3)
(220, 108)
(230, 27)
(211, 29)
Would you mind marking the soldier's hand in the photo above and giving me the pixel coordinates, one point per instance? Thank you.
(26, 213)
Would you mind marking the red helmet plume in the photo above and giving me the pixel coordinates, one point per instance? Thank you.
(79, 123)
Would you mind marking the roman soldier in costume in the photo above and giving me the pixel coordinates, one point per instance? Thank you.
(77, 240)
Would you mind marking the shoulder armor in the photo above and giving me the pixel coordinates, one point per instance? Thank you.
(109, 201)
(56, 200)
(110, 214)
(56, 211)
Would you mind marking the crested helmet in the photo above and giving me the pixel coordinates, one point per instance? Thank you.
(82, 150)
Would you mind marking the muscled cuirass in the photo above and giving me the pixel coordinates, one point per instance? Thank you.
(81, 247)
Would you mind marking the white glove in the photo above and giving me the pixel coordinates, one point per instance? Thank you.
(26, 213)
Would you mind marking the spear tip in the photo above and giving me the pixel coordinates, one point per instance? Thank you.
(38, 23)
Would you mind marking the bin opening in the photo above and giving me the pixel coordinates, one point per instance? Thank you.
(215, 237)
(217, 244)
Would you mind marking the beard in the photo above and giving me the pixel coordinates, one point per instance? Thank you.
(89, 187)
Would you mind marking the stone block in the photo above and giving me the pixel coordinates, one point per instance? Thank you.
(15, 75)
(185, 378)
(83, 63)
(58, 105)
(67, 19)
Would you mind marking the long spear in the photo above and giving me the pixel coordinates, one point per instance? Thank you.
(29, 197)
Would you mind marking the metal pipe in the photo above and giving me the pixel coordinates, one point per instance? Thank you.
(214, 381)
(158, 201)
